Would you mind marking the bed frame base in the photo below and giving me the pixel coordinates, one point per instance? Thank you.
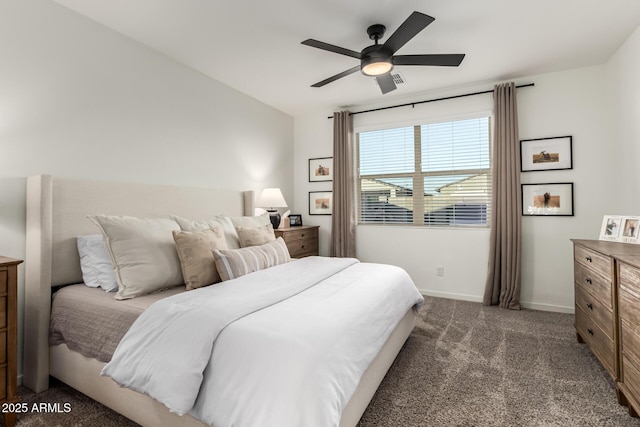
(83, 374)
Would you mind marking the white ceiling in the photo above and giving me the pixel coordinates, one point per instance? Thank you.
(254, 45)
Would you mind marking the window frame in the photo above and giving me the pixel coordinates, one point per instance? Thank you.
(418, 176)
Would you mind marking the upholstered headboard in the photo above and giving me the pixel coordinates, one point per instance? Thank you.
(57, 210)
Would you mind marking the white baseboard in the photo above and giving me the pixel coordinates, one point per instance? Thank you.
(523, 304)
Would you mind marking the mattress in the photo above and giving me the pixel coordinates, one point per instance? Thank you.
(92, 322)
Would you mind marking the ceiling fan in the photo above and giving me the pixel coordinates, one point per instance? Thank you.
(378, 60)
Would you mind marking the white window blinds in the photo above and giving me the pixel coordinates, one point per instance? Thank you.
(434, 175)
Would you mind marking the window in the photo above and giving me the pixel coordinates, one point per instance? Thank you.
(433, 175)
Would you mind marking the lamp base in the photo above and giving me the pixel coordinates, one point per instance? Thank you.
(274, 216)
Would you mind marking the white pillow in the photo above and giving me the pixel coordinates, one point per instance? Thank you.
(142, 251)
(230, 234)
(95, 263)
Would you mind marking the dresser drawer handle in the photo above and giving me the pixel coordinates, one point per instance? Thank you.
(588, 281)
(590, 331)
(590, 306)
(302, 235)
(302, 246)
(589, 259)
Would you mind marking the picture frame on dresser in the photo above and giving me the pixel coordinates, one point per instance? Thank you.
(544, 154)
(620, 228)
(549, 199)
(295, 220)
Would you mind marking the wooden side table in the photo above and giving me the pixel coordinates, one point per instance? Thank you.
(301, 241)
(8, 334)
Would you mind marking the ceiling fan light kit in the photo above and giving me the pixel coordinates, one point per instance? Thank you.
(378, 60)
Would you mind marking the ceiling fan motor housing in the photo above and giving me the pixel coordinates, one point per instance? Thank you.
(375, 54)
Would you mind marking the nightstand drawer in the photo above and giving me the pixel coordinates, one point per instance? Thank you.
(299, 248)
(293, 235)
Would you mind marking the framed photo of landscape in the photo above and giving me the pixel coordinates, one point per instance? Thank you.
(555, 199)
(320, 202)
(545, 154)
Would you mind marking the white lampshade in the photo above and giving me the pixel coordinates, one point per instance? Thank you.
(271, 198)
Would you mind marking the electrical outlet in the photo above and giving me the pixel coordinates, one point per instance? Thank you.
(439, 270)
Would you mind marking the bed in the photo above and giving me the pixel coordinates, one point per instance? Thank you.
(56, 215)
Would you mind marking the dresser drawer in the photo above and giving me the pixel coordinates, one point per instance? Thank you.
(4, 277)
(3, 312)
(630, 343)
(593, 261)
(597, 285)
(630, 376)
(629, 279)
(596, 339)
(629, 310)
(291, 235)
(3, 382)
(3, 347)
(598, 312)
(300, 248)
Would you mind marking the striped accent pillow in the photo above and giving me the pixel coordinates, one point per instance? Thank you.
(234, 263)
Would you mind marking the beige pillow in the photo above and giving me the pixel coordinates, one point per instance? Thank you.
(234, 263)
(255, 236)
(250, 221)
(230, 234)
(196, 256)
(142, 251)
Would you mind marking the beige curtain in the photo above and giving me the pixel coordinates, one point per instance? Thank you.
(343, 221)
(503, 280)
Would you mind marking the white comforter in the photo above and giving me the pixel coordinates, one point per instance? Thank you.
(281, 347)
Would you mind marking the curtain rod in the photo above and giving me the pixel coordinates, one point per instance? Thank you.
(413, 104)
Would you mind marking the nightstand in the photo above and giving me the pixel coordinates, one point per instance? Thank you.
(8, 334)
(301, 241)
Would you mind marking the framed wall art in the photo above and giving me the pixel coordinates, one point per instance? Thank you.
(320, 202)
(545, 154)
(321, 169)
(554, 199)
(618, 228)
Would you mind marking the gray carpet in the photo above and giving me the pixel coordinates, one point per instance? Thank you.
(463, 365)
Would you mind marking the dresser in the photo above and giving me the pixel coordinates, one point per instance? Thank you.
(301, 241)
(628, 385)
(8, 334)
(595, 300)
(607, 297)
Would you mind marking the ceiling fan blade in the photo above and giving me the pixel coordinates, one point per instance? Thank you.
(386, 83)
(332, 48)
(337, 76)
(450, 60)
(415, 23)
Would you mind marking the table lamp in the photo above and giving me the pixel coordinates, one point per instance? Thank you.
(270, 199)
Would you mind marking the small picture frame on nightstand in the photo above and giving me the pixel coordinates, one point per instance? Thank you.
(295, 220)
